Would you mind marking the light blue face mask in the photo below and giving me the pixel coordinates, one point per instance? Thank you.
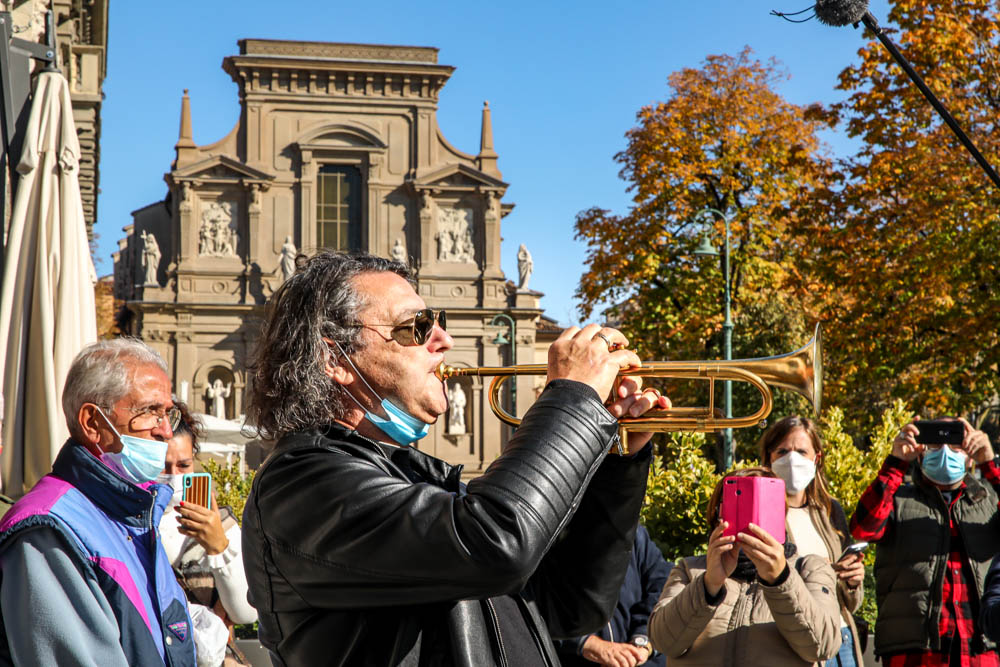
(140, 460)
(944, 465)
(401, 426)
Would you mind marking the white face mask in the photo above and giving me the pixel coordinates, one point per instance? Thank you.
(796, 470)
(175, 482)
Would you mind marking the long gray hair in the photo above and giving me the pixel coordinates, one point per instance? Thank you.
(288, 389)
(100, 374)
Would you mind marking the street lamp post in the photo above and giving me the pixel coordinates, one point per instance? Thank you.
(706, 249)
(501, 340)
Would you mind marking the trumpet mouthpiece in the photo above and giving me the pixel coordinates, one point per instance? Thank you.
(444, 371)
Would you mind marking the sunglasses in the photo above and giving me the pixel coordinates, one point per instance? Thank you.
(414, 331)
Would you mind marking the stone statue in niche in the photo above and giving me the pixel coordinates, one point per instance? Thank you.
(525, 266)
(456, 410)
(288, 253)
(150, 258)
(454, 235)
(217, 393)
(399, 252)
(217, 237)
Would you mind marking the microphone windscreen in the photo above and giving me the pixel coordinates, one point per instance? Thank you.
(840, 12)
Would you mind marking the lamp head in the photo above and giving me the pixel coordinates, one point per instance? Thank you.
(706, 249)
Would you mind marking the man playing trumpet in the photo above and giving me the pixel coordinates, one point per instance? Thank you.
(360, 549)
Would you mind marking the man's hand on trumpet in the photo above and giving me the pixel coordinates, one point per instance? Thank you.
(594, 355)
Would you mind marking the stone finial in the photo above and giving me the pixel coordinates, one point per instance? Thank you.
(487, 158)
(185, 147)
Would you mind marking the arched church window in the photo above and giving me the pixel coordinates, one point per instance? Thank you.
(338, 207)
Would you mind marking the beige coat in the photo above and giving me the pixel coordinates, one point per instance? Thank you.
(850, 598)
(794, 623)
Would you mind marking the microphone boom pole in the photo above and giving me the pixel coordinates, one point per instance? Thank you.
(873, 25)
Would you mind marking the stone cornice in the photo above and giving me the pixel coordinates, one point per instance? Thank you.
(339, 50)
(305, 76)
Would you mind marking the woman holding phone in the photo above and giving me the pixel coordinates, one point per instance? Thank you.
(816, 522)
(748, 601)
(202, 543)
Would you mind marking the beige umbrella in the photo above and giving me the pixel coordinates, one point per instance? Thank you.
(47, 309)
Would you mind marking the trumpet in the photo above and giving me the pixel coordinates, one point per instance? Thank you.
(800, 371)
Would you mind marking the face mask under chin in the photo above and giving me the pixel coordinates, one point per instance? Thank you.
(398, 425)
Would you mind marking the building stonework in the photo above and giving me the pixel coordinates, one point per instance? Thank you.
(81, 28)
(337, 145)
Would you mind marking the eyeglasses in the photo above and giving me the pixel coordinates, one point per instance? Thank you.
(414, 331)
(146, 419)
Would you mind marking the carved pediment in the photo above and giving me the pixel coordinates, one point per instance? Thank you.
(221, 168)
(457, 177)
(340, 135)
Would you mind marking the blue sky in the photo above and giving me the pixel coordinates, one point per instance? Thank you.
(564, 80)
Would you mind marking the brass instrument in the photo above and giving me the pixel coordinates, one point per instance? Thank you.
(800, 371)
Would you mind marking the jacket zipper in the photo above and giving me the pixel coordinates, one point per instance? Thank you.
(738, 608)
(496, 627)
(611, 632)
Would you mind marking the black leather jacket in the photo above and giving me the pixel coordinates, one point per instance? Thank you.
(363, 554)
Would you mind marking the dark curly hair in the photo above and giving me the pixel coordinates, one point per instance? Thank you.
(189, 425)
(288, 389)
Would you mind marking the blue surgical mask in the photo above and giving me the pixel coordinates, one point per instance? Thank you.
(140, 460)
(944, 465)
(401, 426)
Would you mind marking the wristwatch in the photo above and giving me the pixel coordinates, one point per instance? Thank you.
(641, 641)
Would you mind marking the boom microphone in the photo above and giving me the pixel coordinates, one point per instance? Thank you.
(852, 12)
(840, 12)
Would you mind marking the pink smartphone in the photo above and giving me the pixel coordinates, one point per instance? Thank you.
(759, 500)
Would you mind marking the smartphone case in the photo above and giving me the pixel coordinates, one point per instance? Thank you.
(934, 432)
(758, 500)
(197, 488)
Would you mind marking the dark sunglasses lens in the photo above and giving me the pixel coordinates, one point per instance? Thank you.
(442, 320)
(423, 324)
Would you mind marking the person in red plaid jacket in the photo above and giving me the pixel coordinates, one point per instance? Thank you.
(936, 535)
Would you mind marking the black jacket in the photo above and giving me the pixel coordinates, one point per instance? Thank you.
(364, 554)
(647, 573)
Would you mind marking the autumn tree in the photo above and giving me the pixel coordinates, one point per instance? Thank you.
(902, 259)
(724, 139)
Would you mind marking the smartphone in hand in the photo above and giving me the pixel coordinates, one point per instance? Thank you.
(757, 500)
(939, 432)
(856, 548)
(197, 488)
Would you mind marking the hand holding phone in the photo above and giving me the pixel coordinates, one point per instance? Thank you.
(856, 548)
(851, 572)
(757, 500)
(197, 488)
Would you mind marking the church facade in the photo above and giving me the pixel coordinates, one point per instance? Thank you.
(337, 146)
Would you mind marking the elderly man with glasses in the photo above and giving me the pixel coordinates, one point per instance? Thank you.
(362, 550)
(85, 580)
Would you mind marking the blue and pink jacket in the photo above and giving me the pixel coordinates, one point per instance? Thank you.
(111, 525)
